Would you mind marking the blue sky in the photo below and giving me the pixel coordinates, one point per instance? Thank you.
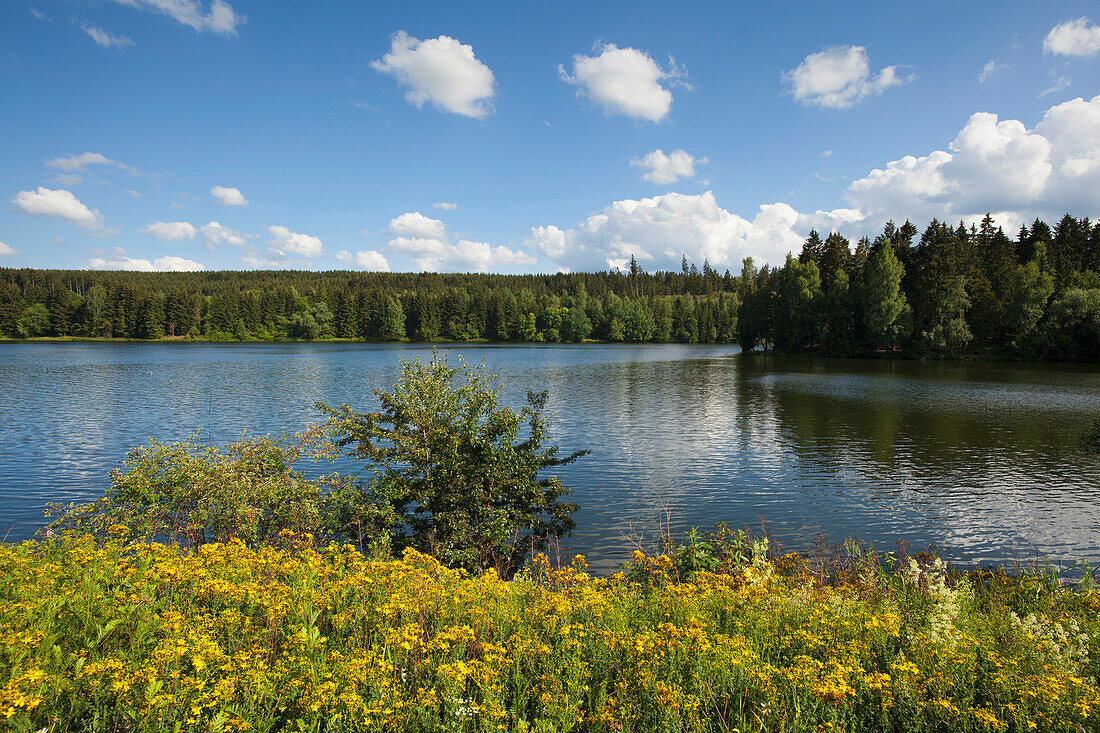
(519, 137)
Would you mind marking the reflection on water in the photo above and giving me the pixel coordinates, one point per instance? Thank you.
(977, 459)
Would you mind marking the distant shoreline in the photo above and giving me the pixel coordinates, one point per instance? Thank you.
(985, 357)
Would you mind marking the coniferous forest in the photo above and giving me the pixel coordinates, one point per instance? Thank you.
(948, 291)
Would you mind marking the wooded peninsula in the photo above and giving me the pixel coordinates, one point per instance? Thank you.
(952, 291)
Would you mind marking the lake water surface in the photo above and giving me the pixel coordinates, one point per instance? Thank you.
(979, 460)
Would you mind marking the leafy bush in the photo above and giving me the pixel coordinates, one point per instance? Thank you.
(459, 471)
(193, 494)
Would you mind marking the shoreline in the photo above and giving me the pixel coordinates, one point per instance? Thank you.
(980, 358)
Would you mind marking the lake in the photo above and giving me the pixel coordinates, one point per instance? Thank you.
(978, 460)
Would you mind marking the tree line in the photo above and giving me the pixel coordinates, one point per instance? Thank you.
(951, 291)
(954, 291)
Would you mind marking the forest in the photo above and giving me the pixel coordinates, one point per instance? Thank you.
(951, 291)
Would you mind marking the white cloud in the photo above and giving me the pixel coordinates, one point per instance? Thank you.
(415, 224)
(58, 204)
(40, 15)
(276, 259)
(838, 77)
(133, 194)
(658, 231)
(433, 255)
(67, 179)
(1002, 159)
(419, 246)
(228, 196)
(442, 71)
(121, 261)
(482, 256)
(80, 162)
(1058, 82)
(997, 166)
(1073, 38)
(827, 153)
(364, 260)
(171, 263)
(663, 169)
(830, 221)
(103, 39)
(624, 81)
(171, 231)
(7, 250)
(221, 18)
(991, 69)
(1073, 129)
(284, 240)
(214, 234)
(444, 205)
(432, 248)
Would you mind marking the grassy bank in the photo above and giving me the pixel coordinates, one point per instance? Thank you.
(145, 637)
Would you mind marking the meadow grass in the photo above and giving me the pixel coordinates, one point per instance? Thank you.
(133, 636)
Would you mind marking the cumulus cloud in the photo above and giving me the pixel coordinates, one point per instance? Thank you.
(228, 196)
(1073, 38)
(663, 169)
(624, 81)
(838, 77)
(214, 234)
(414, 224)
(58, 204)
(658, 231)
(444, 205)
(998, 166)
(433, 255)
(283, 240)
(171, 231)
(991, 69)
(431, 247)
(220, 18)
(442, 71)
(80, 162)
(103, 39)
(119, 260)
(364, 260)
(7, 250)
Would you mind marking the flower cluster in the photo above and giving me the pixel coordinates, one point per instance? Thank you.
(146, 637)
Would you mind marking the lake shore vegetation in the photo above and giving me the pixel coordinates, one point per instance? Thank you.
(952, 291)
(123, 635)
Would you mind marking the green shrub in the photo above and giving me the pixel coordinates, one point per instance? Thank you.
(459, 471)
(193, 494)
